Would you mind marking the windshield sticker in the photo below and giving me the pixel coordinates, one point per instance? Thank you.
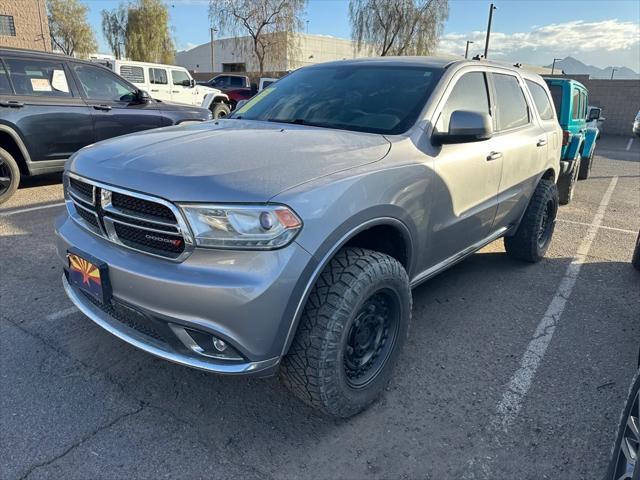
(59, 81)
(261, 96)
(40, 85)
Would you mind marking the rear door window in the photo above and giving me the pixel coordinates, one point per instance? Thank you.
(541, 99)
(132, 73)
(38, 78)
(469, 93)
(158, 76)
(236, 82)
(556, 96)
(511, 107)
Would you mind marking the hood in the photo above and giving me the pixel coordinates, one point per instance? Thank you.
(204, 90)
(225, 161)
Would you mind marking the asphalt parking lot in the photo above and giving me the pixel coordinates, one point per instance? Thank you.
(510, 371)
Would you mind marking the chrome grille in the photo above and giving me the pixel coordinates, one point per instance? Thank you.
(136, 221)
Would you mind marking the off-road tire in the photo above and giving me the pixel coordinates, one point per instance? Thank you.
(635, 260)
(567, 183)
(9, 175)
(220, 110)
(526, 243)
(586, 164)
(313, 369)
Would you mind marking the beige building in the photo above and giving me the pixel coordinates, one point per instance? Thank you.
(23, 24)
(294, 51)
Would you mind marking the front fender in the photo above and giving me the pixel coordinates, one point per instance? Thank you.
(589, 142)
(211, 98)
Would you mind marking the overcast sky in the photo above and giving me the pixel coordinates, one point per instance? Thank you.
(598, 32)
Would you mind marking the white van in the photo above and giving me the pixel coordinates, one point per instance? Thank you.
(171, 83)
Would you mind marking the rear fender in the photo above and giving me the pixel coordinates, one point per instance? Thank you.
(574, 147)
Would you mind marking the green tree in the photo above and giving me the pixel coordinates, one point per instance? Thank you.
(70, 30)
(148, 37)
(114, 28)
(398, 27)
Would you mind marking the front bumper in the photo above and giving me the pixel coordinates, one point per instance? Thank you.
(246, 298)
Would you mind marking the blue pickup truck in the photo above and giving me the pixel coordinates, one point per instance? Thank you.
(578, 135)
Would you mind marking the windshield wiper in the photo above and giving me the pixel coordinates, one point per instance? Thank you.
(297, 121)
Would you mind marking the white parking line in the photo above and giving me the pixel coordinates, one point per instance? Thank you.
(629, 144)
(633, 232)
(61, 314)
(511, 402)
(30, 209)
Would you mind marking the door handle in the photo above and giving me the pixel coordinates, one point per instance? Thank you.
(156, 90)
(11, 104)
(541, 143)
(494, 156)
(175, 91)
(106, 108)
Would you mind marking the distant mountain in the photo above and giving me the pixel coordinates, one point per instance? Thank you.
(574, 66)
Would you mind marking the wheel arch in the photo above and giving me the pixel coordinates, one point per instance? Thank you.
(12, 143)
(360, 235)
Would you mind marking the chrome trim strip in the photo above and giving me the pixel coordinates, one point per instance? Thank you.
(110, 234)
(100, 318)
(149, 229)
(72, 209)
(448, 262)
(78, 196)
(109, 208)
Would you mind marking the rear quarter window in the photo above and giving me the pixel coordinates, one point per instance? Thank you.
(541, 100)
(575, 104)
(556, 96)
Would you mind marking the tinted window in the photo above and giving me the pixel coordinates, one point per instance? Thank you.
(131, 73)
(556, 96)
(158, 76)
(100, 84)
(541, 99)
(575, 104)
(180, 77)
(236, 82)
(38, 78)
(5, 87)
(360, 97)
(511, 105)
(583, 101)
(469, 93)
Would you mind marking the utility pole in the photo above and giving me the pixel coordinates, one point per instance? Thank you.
(492, 7)
(213, 65)
(613, 70)
(466, 50)
(553, 65)
(307, 27)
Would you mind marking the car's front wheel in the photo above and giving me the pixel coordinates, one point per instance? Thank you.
(9, 175)
(351, 332)
(533, 236)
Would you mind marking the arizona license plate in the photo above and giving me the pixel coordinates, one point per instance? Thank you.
(89, 275)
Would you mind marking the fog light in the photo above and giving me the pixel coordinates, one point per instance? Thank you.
(219, 345)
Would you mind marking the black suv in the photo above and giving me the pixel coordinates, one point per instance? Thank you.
(52, 105)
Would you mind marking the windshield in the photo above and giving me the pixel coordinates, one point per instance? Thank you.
(364, 98)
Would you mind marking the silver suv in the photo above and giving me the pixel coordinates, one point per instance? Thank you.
(288, 236)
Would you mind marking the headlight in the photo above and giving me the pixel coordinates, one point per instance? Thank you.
(250, 227)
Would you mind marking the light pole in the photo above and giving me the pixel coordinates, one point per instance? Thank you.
(466, 50)
(307, 27)
(212, 30)
(492, 7)
(553, 65)
(613, 70)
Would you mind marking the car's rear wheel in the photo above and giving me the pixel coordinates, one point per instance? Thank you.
(220, 110)
(567, 182)
(624, 463)
(350, 334)
(533, 236)
(9, 175)
(586, 164)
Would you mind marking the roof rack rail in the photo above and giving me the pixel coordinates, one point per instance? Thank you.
(478, 57)
(517, 65)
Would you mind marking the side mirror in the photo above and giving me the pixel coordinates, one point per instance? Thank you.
(464, 127)
(594, 114)
(144, 97)
(192, 83)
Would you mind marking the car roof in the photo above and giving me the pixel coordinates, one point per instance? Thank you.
(23, 52)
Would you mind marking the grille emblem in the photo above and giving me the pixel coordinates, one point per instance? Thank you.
(175, 242)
